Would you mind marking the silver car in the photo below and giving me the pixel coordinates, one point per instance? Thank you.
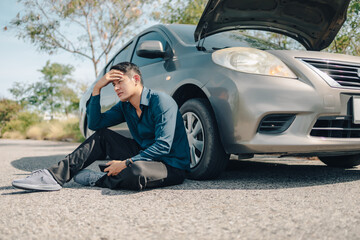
(244, 96)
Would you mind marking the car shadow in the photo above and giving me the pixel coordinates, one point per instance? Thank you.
(238, 175)
(274, 175)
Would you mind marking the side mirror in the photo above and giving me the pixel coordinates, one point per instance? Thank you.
(151, 49)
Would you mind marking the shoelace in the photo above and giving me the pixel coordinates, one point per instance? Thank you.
(35, 172)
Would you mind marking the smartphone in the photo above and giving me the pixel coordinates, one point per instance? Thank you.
(102, 166)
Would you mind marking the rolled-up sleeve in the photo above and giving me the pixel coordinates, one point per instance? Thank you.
(97, 120)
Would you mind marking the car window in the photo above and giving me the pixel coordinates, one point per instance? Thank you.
(140, 61)
(123, 55)
(108, 66)
(237, 38)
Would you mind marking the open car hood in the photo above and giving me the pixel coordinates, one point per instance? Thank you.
(314, 23)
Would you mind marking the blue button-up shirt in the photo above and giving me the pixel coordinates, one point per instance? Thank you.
(159, 130)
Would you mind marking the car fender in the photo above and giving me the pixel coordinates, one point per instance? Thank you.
(225, 130)
(190, 81)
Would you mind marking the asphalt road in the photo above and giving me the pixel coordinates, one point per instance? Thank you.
(265, 198)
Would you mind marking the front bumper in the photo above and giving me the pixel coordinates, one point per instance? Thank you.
(289, 144)
(249, 98)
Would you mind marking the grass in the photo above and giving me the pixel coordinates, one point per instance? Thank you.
(66, 130)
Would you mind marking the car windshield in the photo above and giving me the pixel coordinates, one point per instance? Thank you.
(236, 38)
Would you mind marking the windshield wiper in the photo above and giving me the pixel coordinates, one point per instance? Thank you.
(216, 48)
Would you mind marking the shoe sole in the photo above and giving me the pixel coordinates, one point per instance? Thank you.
(37, 187)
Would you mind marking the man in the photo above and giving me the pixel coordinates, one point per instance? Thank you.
(157, 156)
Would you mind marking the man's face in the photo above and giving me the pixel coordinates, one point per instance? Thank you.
(125, 87)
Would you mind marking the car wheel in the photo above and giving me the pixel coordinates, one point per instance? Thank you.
(208, 158)
(346, 161)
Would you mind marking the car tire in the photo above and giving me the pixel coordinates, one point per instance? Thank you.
(208, 158)
(346, 161)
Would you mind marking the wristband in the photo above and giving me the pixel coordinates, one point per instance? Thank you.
(128, 162)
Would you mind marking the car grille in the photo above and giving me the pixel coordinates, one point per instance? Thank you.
(345, 74)
(336, 127)
(275, 123)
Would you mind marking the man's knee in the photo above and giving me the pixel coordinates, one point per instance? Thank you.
(139, 176)
(133, 178)
(153, 174)
(101, 131)
(137, 169)
(149, 169)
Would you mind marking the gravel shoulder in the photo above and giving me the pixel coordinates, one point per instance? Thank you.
(262, 198)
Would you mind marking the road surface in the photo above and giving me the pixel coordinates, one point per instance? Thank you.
(262, 198)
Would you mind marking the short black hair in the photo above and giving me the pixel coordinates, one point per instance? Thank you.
(127, 67)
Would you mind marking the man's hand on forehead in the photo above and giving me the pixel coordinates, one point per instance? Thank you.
(115, 75)
(116, 71)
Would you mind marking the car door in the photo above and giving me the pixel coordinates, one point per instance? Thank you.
(107, 99)
(154, 71)
(123, 56)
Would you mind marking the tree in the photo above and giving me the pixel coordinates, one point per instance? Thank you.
(182, 12)
(8, 109)
(51, 94)
(348, 39)
(86, 28)
(20, 122)
(69, 100)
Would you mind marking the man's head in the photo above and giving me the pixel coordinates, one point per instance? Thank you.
(128, 84)
(129, 69)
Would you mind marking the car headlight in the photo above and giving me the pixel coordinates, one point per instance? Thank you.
(251, 60)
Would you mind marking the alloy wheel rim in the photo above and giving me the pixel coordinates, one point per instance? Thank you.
(195, 134)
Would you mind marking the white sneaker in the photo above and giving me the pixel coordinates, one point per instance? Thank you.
(40, 180)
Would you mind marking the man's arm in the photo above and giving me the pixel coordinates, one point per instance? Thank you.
(165, 123)
(97, 120)
(109, 77)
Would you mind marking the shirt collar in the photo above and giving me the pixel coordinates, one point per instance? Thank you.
(145, 97)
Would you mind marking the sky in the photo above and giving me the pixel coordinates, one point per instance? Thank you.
(20, 62)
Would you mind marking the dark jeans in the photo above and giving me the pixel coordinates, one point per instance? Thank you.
(104, 142)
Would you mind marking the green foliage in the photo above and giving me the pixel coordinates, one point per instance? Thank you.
(67, 130)
(21, 122)
(69, 100)
(348, 39)
(98, 25)
(8, 109)
(29, 125)
(182, 12)
(71, 129)
(53, 93)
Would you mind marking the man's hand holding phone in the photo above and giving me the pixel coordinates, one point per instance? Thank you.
(113, 168)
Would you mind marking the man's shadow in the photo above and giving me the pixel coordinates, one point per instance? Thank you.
(247, 174)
